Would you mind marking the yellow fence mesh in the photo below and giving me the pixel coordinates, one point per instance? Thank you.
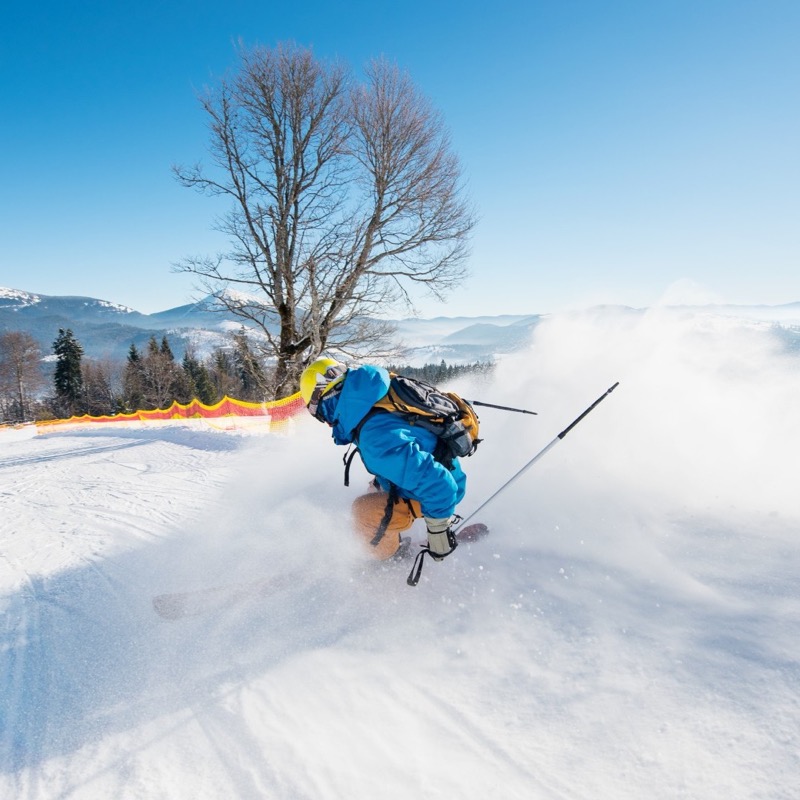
(227, 414)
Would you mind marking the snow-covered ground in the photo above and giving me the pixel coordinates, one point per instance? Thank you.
(631, 629)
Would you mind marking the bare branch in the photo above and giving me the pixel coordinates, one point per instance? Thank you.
(343, 197)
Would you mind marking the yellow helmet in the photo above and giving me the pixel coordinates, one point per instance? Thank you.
(320, 377)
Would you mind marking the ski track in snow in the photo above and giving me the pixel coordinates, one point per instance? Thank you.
(628, 630)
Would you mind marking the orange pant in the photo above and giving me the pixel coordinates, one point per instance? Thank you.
(369, 512)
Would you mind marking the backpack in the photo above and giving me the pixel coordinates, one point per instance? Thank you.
(445, 414)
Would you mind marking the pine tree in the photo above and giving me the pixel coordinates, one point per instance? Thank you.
(443, 372)
(166, 350)
(203, 388)
(68, 377)
(252, 378)
(133, 380)
(223, 374)
(158, 369)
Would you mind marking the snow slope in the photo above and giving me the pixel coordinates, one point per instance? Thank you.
(630, 629)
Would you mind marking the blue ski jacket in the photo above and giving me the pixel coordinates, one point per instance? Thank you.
(392, 450)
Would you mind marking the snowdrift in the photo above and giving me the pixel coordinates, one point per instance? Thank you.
(628, 630)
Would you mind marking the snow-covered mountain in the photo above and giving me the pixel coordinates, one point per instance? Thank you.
(106, 330)
(77, 308)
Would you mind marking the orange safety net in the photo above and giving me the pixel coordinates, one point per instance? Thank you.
(275, 413)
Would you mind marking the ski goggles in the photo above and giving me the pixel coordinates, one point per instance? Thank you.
(331, 378)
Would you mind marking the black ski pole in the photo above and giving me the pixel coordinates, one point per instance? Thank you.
(502, 408)
(538, 456)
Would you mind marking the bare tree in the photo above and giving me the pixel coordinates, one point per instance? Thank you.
(344, 195)
(101, 386)
(20, 374)
(222, 372)
(159, 378)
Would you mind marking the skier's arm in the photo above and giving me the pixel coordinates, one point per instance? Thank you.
(392, 453)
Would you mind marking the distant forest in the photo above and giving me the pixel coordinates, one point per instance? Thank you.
(35, 388)
(442, 372)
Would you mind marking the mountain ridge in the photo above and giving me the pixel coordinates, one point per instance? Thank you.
(106, 330)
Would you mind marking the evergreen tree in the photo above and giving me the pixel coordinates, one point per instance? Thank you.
(160, 375)
(252, 378)
(223, 374)
(202, 385)
(443, 372)
(133, 380)
(166, 350)
(68, 377)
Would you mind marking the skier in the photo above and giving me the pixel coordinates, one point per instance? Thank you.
(409, 481)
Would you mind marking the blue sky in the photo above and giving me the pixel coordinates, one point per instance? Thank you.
(620, 152)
